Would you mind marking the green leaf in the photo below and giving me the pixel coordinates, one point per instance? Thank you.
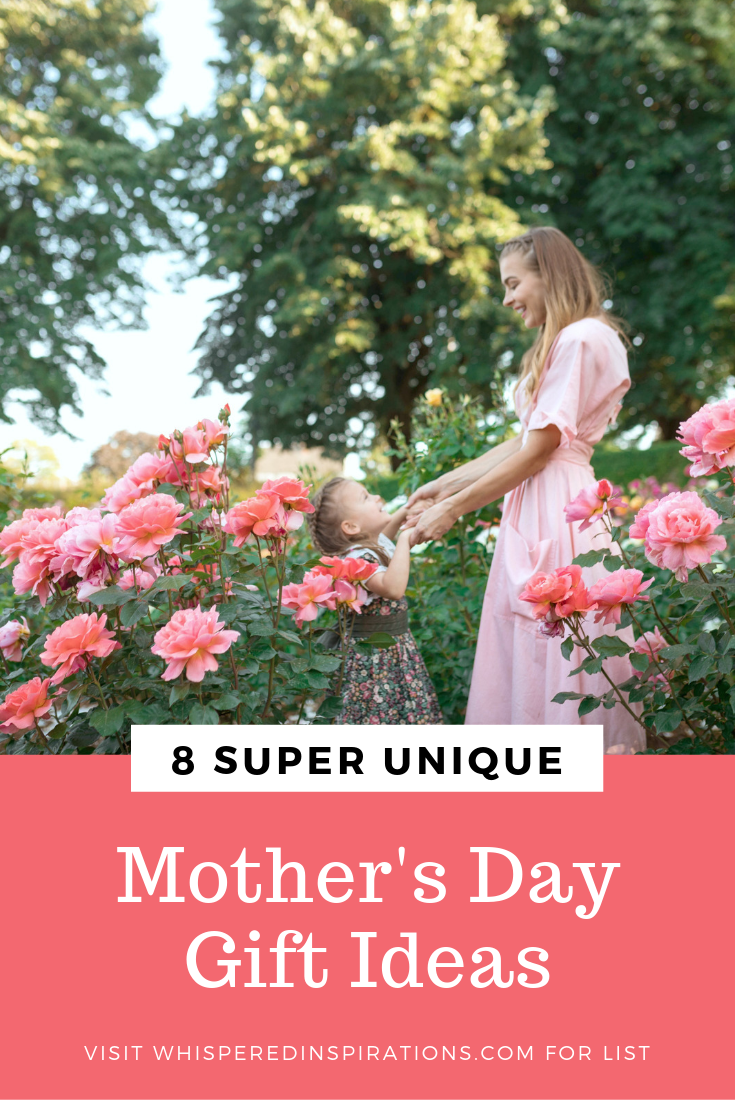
(700, 667)
(83, 736)
(613, 563)
(113, 595)
(300, 664)
(561, 698)
(610, 645)
(291, 637)
(668, 720)
(131, 613)
(330, 707)
(327, 663)
(262, 650)
(202, 714)
(567, 647)
(590, 665)
(706, 642)
(380, 639)
(590, 558)
(228, 702)
(678, 650)
(588, 705)
(261, 627)
(639, 661)
(178, 692)
(695, 590)
(169, 581)
(108, 722)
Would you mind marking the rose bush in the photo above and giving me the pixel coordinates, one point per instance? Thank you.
(671, 576)
(168, 605)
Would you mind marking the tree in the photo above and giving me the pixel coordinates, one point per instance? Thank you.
(77, 206)
(111, 460)
(640, 142)
(349, 183)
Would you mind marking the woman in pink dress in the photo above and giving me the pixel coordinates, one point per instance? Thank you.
(572, 380)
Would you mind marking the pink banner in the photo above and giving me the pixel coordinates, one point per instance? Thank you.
(621, 989)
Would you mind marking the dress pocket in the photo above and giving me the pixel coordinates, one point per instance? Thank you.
(522, 562)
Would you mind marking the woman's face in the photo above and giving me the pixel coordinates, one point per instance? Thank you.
(524, 290)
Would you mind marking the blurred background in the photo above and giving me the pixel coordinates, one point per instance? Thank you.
(295, 206)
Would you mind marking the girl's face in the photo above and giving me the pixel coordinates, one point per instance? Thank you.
(362, 513)
(524, 290)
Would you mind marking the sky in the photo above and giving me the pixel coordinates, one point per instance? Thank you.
(148, 386)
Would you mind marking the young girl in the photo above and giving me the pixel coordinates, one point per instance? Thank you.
(381, 685)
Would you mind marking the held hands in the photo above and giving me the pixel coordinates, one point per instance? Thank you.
(431, 523)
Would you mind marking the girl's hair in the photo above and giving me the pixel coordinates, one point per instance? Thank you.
(574, 289)
(325, 523)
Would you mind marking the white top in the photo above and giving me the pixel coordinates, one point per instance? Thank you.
(367, 553)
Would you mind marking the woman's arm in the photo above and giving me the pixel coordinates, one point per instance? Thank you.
(392, 582)
(514, 469)
(460, 477)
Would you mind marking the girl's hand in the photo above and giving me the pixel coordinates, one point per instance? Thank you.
(430, 491)
(433, 524)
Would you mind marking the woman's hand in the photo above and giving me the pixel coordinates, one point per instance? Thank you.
(430, 492)
(433, 523)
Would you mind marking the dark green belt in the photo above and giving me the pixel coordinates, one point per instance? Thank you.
(365, 625)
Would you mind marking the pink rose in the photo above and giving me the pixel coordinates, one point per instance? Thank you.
(26, 704)
(346, 593)
(259, 515)
(592, 503)
(11, 537)
(81, 515)
(123, 493)
(146, 525)
(639, 527)
(650, 643)
(189, 445)
(291, 491)
(215, 433)
(32, 573)
(149, 468)
(315, 592)
(681, 533)
(74, 643)
(142, 577)
(84, 547)
(351, 569)
(622, 587)
(12, 636)
(190, 640)
(543, 591)
(709, 437)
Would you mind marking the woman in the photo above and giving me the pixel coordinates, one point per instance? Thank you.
(571, 383)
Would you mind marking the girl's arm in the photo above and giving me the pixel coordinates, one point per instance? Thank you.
(395, 522)
(515, 468)
(440, 488)
(392, 582)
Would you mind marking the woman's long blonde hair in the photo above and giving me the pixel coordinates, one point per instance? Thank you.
(574, 289)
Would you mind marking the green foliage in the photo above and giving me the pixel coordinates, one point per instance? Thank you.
(78, 201)
(661, 461)
(350, 180)
(448, 577)
(642, 177)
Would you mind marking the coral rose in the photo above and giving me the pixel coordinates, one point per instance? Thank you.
(622, 587)
(190, 640)
(84, 547)
(577, 597)
(315, 592)
(146, 525)
(149, 468)
(260, 515)
(641, 520)
(351, 569)
(12, 636)
(24, 706)
(291, 491)
(346, 593)
(592, 503)
(709, 437)
(11, 537)
(73, 644)
(32, 573)
(681, 533)
(560, 593)
(123, 493)
(215, 433)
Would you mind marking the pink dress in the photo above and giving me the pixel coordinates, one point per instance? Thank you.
(518, 671)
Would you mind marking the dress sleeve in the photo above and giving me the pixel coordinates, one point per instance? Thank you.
(572, 364)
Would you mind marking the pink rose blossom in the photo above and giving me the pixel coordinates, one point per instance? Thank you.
(348, 594)
(351, 569)
(84, 547)
(291, 491)
(560, 593)
(190, 640)
(149, 468)
(207, 482)
(146, 525)
(74, 643)
(639, 527)
(577, 597)
(81, 515)
(215, 433)
(259, 515)
(552, 627)
(26, 704)
(189, 445)
(650, 643)
(12, 636)
(709, 437)
(141, 577)
(315, 592)
(11, 537)
(681, 533)
(32, 573)
(591, 503)
(123, 493)
(622, 587)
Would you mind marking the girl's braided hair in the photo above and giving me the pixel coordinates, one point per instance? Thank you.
(325, 523)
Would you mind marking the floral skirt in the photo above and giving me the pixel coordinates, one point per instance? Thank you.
(391, 684)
